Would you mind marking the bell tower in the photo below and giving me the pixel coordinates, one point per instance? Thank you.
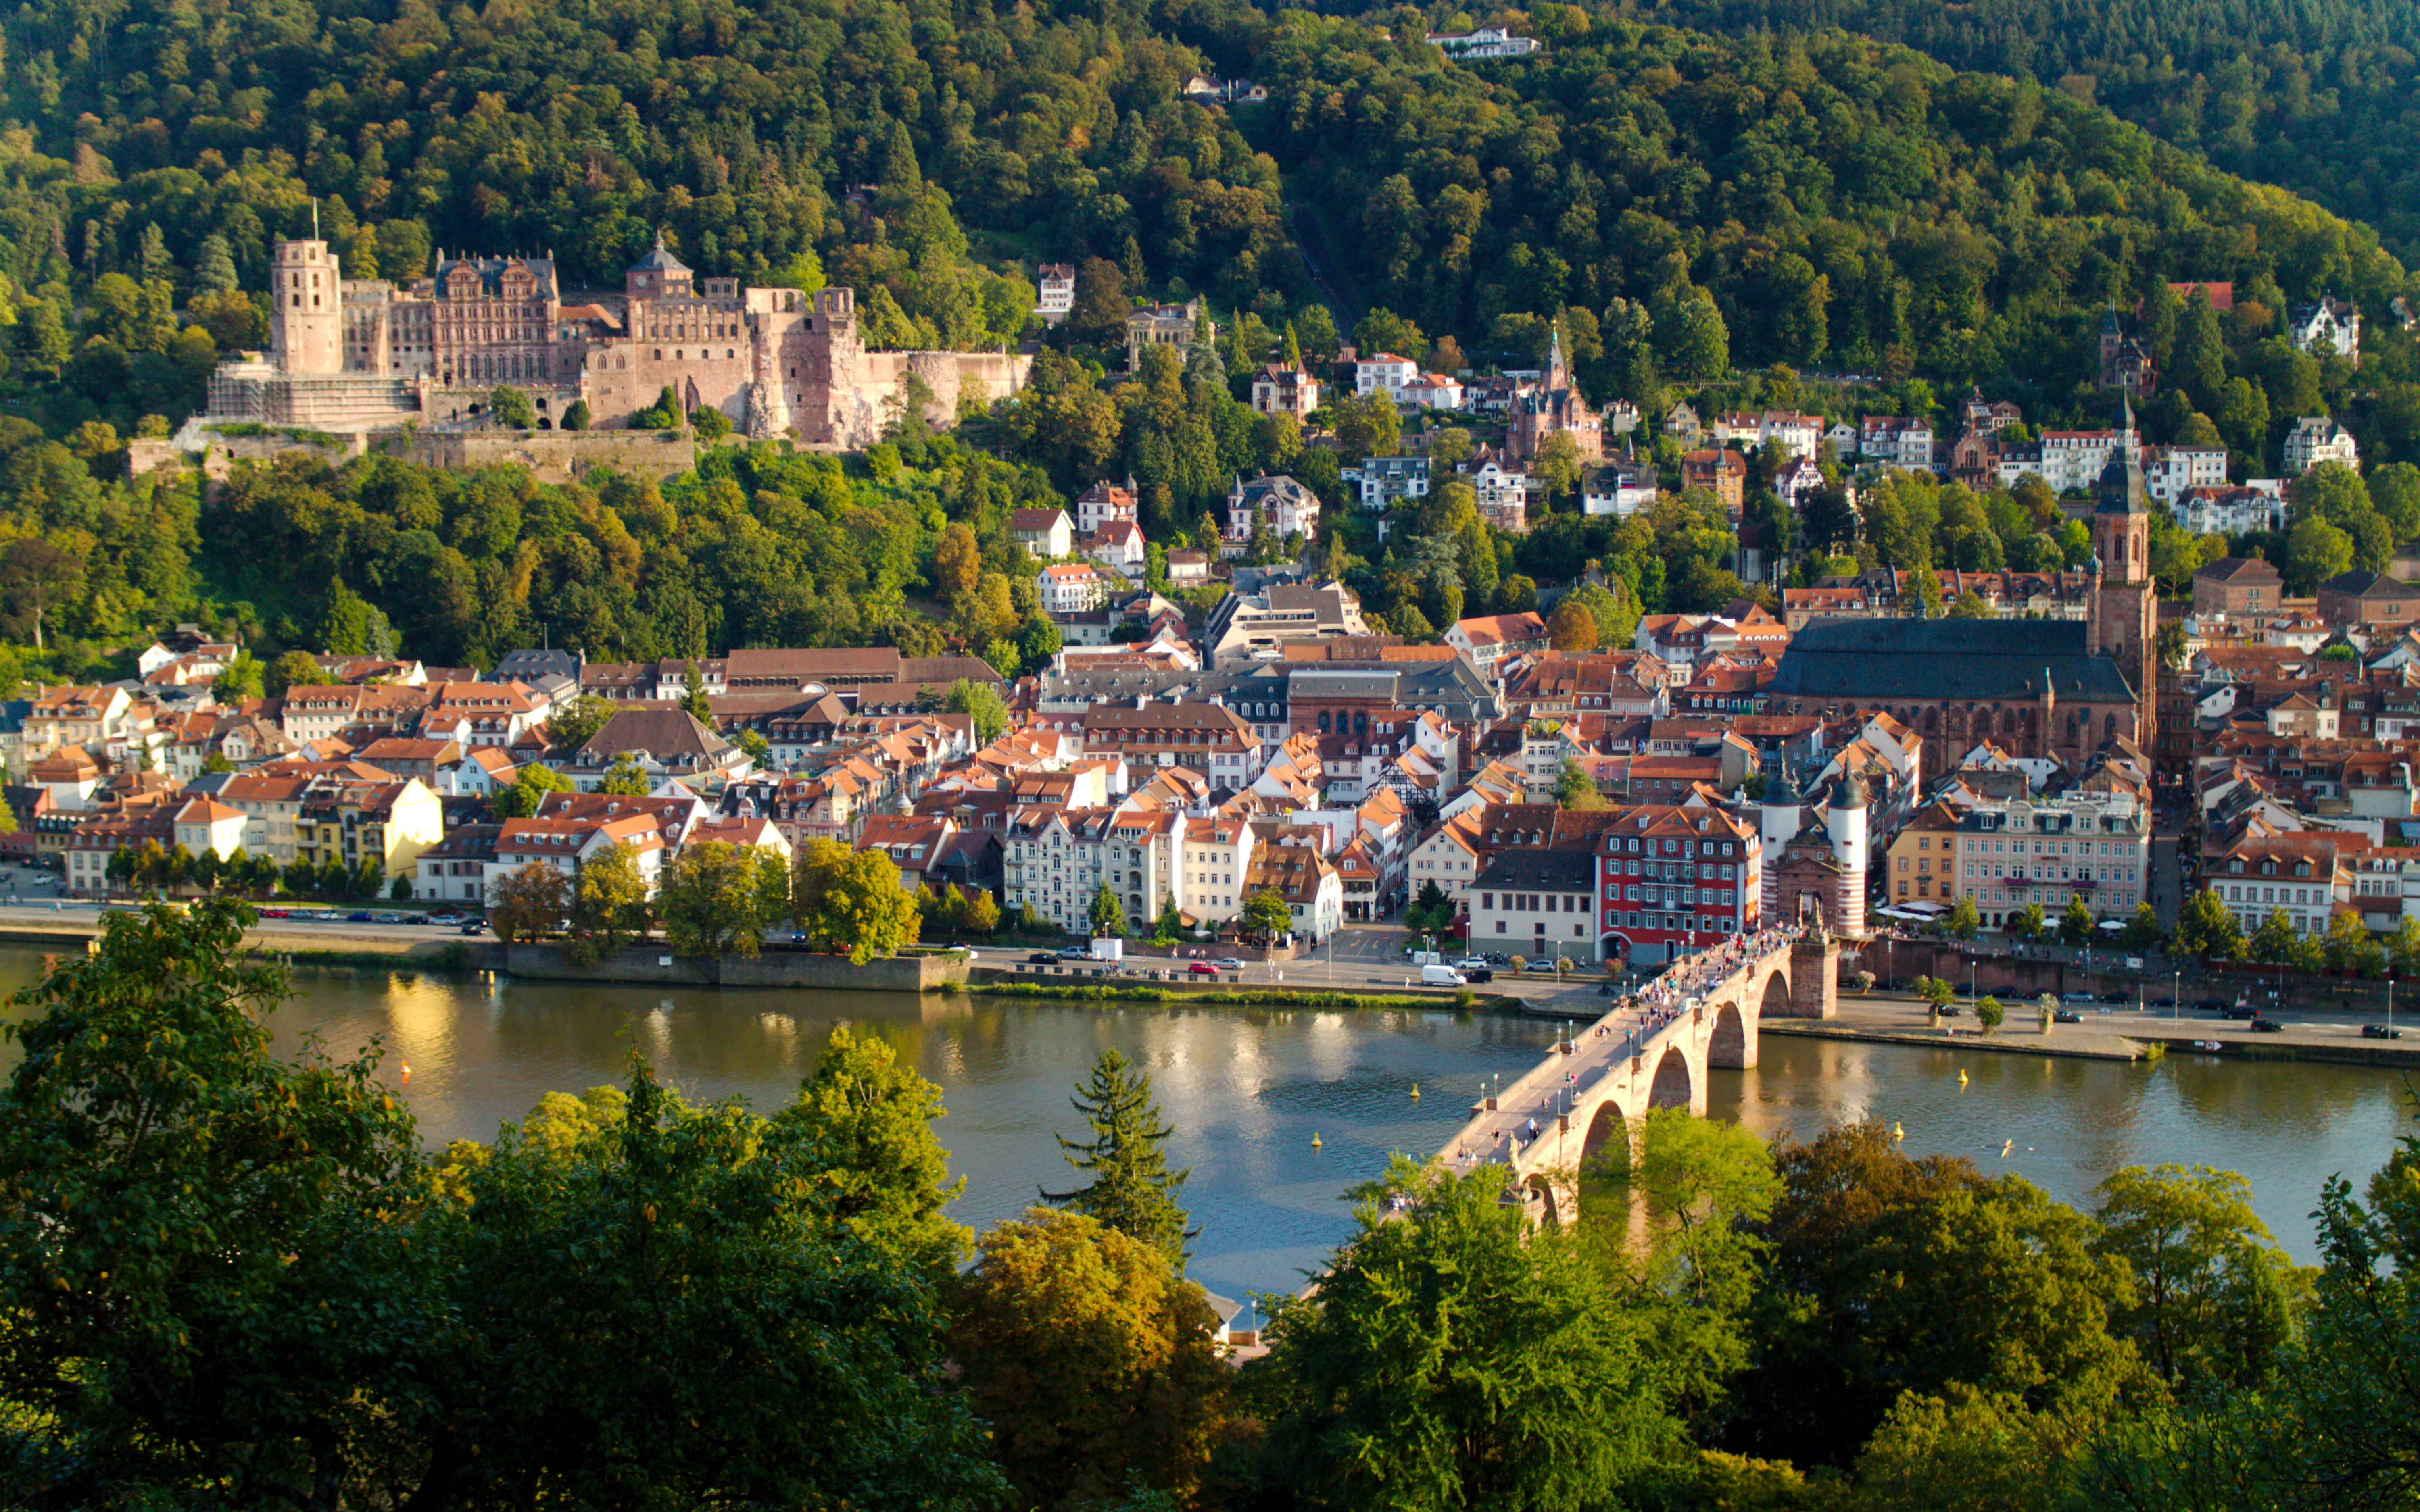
(2123, 608)
(306, 318)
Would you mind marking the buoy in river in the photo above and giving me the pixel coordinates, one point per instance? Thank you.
(1314, 1139)
(1898, 1133)
(1416, 1089)
(406, 1070)
(2005, 1148)
(1962, 1078)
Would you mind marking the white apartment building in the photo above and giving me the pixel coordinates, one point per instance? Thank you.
(2072, 460)
(1071, 588)
(2317, 439)
(1487, 41)
(1537, 903)
(1895, 441)
(1621, 489)
(1058, 292)
(1384, 373)
(2295, 874)
(1213, 868)
(1058, 859)
(2169, 470)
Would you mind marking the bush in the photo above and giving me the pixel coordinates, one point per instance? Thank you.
(1989, 1013)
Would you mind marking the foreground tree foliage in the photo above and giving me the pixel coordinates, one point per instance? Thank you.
(1891, 1274)
(238, 1284)
(1449, 1361)
(1090, 1358)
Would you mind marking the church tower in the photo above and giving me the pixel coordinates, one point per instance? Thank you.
(306, 317)
(2123, 606)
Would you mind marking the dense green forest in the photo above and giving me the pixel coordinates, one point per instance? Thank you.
(2316, 96)
(237, 1280)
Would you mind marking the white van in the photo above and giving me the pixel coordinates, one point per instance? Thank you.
(1441, 976)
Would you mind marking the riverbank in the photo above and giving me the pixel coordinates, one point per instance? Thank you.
(1239, 997)
(2105, 1035)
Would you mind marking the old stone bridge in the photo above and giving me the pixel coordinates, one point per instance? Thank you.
(1652, 1051)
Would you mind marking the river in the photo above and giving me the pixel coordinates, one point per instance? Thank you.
(1246, 1090)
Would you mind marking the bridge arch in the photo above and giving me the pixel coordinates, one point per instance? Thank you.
(1727, 1043)
(1542, 1191)
(1673, 1086)
(1609, 1138)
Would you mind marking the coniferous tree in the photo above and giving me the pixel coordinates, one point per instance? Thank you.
(1131, 1188)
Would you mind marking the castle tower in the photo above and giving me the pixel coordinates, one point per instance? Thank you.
(306, 322)
(1779, 819)
(1558, 376)
(1845, 823)
(2123, 608)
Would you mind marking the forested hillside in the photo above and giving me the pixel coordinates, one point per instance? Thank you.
(1698, 211)
(2315, 95)
(1835, 201)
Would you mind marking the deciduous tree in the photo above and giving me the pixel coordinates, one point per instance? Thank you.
(1090, 1358)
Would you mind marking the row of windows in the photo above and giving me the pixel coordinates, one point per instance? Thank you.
(1684, 897)
(1667, 921)
(2306, 896)
(1707, 870)
(1671, 847)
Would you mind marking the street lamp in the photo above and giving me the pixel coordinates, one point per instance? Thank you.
(2175, 1005)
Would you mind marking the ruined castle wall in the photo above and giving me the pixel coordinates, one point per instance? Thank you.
(556, 456)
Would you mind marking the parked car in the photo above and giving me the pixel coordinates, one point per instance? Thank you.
(1467, 962)
(1540, 969)
(1472, 973)
(1950, 1011)
(2243, 1011)
(447, 917)
(474, 926)
(275, 913)
(2380, 1031)
(1498, 958)
(2266, 1026)
(1227, 963)
(2076, 997)
(2163, 1002)
(362, 915)
(1043, 957)
(2117, 997)
(2067, 1015)
(1202, 968)
(1074, 952)
(2211, 1005)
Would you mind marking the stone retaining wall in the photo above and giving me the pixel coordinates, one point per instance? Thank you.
(775, 968)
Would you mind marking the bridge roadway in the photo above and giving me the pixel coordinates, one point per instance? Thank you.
(1651, 1051)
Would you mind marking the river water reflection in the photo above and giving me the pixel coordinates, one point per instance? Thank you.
(1246, 1090)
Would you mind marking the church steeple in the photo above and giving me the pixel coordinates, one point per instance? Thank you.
(1557, 376)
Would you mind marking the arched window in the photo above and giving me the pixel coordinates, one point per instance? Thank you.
(1323, 721)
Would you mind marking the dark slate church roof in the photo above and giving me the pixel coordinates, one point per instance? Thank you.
(2001, 660)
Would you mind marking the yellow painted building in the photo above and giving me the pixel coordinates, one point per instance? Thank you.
(391, 822)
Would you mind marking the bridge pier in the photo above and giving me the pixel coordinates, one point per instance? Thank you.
(1814, 977)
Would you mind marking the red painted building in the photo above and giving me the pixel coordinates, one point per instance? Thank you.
(1671, 880)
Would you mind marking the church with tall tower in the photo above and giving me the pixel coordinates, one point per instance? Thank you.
(2053, 688)
(2124, 602)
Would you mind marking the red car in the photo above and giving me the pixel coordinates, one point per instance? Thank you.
(1202, 968)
